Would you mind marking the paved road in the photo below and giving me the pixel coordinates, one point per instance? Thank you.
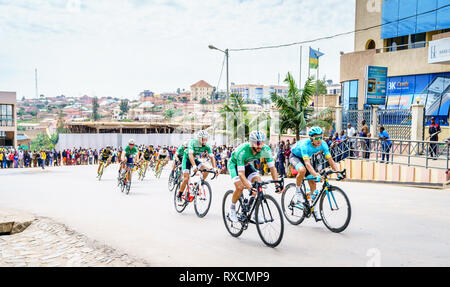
(391, 225)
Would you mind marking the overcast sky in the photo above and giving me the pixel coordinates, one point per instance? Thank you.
(119, 48)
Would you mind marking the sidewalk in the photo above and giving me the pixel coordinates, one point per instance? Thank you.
(46, 243)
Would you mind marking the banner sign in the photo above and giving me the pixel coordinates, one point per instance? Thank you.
(439, 51)
(375, 88)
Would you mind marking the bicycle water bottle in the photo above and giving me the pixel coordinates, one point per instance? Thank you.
(308, 193)
(315, 194)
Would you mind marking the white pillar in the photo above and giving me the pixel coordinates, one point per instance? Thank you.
(417, 113)
(338, 110)
(374, 123)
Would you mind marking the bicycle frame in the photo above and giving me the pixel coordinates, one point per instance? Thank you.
(248, 210)
(325, 188)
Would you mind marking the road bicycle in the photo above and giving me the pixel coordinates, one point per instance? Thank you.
(175, 177)
(333, 203)
(197, 191)
(102, 168)
(124, 183)
(143, 170)
(267, 213)
(159, 168)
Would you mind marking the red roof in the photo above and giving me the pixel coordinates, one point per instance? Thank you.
(202, 83)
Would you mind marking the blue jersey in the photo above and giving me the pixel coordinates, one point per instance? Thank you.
(304, 149)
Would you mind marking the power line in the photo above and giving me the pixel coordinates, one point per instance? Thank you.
(337, 35)
(221, 71)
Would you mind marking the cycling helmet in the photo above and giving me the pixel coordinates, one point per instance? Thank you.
(257, 136)
(315, 131)
(132, 141)
(203, 135)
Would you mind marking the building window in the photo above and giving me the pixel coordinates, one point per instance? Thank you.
(6, 115)
(370, 45)
(350, 95)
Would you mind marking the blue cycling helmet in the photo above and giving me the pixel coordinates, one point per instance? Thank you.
(315, 131)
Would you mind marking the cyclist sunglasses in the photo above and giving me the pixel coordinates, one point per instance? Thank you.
(317, 138)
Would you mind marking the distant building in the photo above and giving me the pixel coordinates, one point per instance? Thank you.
(8, 127)
(334, 89)
(412, 40)
(257, 93)
(201, 90)
(146, 96)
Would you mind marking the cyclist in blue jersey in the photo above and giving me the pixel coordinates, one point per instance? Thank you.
(300, 159)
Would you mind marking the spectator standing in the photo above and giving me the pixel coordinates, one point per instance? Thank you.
(351, 132)
(385, 144)
(434, 129)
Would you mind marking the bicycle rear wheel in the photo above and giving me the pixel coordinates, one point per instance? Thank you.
(293, 214)
(335, 209)
(234, 228)
(180, 206)
(269, 221)
(203, 198)
(101, 172)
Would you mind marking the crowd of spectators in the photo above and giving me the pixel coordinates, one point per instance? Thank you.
(341, 146)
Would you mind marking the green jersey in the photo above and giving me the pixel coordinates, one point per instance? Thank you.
(243, 155)
(196, 148)
(180, 151)
(130, 152)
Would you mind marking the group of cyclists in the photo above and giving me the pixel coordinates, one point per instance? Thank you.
(240, 167)
(135, 157)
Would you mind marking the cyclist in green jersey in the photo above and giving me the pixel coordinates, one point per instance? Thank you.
(129, 155)
(242, 171)
(196, 147)
(178, 156)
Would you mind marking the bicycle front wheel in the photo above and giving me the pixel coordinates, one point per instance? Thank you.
(269, 221)
(335, 209)
(293, 214)
(234, 228)
(203, 198)
(180, 206)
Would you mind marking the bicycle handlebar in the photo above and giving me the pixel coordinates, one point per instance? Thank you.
(326, 173)
(207, 171)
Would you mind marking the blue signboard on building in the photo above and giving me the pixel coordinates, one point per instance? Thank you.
(376, 79)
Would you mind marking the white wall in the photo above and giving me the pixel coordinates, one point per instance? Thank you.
(97, 141)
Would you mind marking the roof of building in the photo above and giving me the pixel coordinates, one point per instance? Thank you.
(202, 84)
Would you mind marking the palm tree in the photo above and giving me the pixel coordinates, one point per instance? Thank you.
(239, 122)
(294, 108)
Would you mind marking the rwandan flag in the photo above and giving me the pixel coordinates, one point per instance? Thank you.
(314, 58)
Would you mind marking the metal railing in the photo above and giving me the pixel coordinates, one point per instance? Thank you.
(425, 154)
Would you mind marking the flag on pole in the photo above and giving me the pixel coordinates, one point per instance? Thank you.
(314, 58)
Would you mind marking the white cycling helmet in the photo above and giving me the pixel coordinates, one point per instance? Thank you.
(131, 141)
(257, 136)
(202, 135)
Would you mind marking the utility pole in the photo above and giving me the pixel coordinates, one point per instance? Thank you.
(300, 72)
(228, 86)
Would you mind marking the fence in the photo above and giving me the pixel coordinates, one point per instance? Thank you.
(355, 118)
(405, 152)
(397, 123)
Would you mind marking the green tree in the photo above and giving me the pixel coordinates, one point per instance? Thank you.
(43, 141)
(169, 113)
(95, 106)
(239, 122)
(124, 108)
(294, 108)
(203, 101)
